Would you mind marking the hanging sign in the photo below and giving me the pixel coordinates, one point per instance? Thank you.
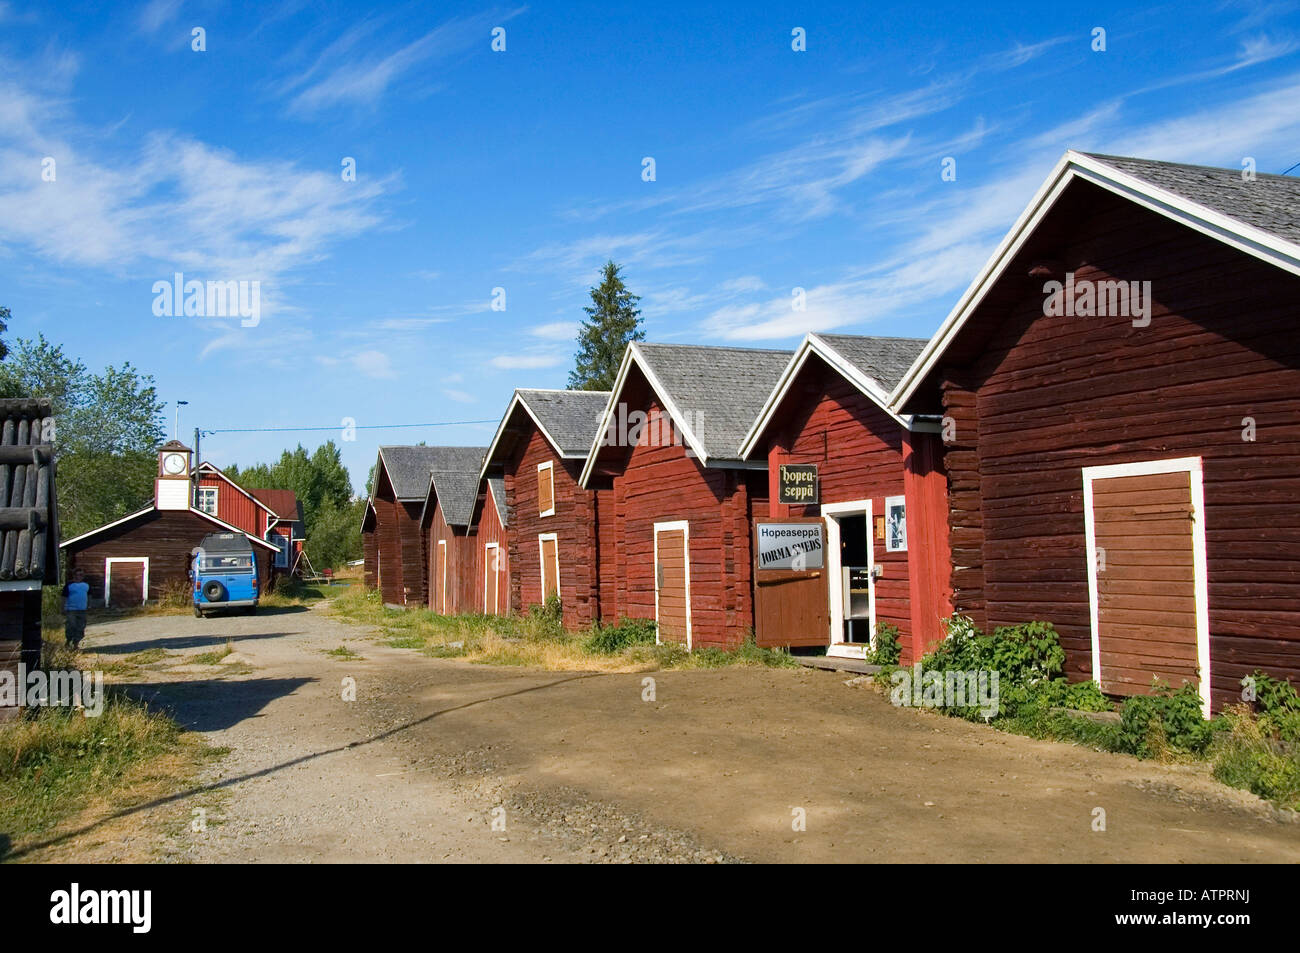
(796, 484)
(789, 545)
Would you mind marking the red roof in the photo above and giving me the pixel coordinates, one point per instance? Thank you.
(283, 503)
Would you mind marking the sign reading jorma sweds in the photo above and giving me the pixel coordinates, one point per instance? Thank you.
(789, 545)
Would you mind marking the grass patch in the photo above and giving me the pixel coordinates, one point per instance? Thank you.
(55, 762)
(215, 656)
(342, 652)
(537, 639)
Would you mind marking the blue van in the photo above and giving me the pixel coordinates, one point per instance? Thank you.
(224, 572)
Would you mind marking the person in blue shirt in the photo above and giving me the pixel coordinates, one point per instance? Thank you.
(76, 594)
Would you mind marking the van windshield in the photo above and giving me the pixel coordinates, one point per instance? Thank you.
(227, 563)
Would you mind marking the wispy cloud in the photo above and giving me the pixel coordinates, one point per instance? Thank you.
(514, 362)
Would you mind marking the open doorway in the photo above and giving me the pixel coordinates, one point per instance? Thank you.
(850, 565)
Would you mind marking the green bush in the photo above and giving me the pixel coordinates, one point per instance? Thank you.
(1278, 704)
(1154, 726)
(547, 618)
(612, 639)
(1247, 756)
(1026, 657)
(887, 650)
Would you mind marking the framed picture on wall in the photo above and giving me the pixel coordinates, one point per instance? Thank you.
(895, 524)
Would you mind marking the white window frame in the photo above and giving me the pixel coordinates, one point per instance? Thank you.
(108, 577)
(216, 499)
(549, 465)
(685, 527)
(890, 502)
(839, 648)
(490, 566)
(541, 564)
(1200, 574)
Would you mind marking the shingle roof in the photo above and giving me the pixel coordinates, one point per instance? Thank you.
(456, 491)
(720, 389)
(569, 416)
(884, 359)
(27, 482)
(1269, 202)
(409, 467)
(497, 486)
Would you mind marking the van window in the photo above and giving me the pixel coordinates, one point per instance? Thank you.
(227, 562)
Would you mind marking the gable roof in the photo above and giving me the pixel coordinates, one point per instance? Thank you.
(192, 511)
(408, 468)
(283, 504)
(1259, 217)
(29, 553)
(566, 418)
(456, 491)
(871, 364)
(713, 394)
(209, 469)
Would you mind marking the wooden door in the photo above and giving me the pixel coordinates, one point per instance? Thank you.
(1146, 577)
(442, 577)
(550, 566)
(124, 582)
(673, 582)
(791, 606)
(490, 578)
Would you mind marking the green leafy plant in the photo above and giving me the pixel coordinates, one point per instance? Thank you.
(1246, 755)
(612, 639)
(887, 650)
(1165, 723)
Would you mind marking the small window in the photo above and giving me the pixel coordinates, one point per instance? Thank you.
(545, 489)
(208, 499)
(895, 524)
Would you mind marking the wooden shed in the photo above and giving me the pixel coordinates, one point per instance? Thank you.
(29, 531)
(147, 553)
(1121, 384)
(538, 452)
(447, 520)
(678, 548)
(863, 488)
(369, 547)
(401, 484)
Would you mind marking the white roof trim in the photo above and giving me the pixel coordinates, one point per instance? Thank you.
(632, 356)
(814, 344)
(1247, 238)
(217, 471)
(151, 509)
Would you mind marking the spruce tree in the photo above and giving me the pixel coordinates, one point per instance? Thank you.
(613, 321)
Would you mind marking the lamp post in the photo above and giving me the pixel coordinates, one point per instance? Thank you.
(176, 430)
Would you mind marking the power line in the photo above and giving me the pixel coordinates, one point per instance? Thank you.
(441, 423)
(1285, 171)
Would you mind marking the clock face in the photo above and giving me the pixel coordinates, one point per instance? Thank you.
(174, 463)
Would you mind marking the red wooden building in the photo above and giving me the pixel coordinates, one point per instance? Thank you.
(140, 556)
(1121, 385)
(29, 532)
(447, 520)
(272, 515)
(869, 483)
(537, 454)
(667, 456)
(370, 547)
(400, 545)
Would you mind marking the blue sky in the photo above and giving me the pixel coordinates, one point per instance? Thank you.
(522, 170)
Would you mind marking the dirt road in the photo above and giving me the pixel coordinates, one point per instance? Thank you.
(691, 766)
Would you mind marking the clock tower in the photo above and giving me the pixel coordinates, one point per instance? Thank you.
(173, 488)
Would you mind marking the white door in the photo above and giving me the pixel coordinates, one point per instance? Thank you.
(851, 582)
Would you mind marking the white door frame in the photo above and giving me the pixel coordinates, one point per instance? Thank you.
(490, 565)
(839, 648)
(1200, 574)
(108, 577)
(541, 564)
(672, 526)
(441, 608)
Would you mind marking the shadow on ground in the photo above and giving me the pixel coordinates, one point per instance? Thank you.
(213, 704)
(182, 642)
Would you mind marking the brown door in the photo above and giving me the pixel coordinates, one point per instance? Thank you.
(1144, 533)
(791, 605)
(125, 585)
(672, 583)
(550, 568)
(490, 579)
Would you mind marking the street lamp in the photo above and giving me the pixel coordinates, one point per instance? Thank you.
(176, 430)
